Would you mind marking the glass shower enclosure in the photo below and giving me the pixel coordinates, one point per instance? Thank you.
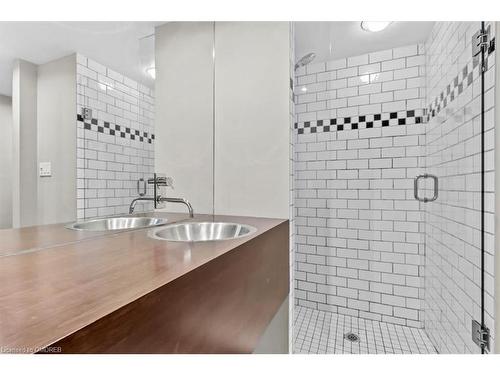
(393, 188)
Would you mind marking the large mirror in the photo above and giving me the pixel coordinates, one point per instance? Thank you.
(90, 111)
(99, 119)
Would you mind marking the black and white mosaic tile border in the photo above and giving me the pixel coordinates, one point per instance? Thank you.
(463, 80)
(106, 127)
(361, 122)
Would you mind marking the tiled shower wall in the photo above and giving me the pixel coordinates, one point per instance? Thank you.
(359, 146)
(453, 221)
(115, 148)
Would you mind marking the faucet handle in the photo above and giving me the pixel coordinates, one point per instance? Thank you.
(161, 181)
(169, 181)
(152, 181)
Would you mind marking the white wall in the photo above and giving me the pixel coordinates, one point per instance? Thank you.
(43, 107)
(291, 168)
(275, 339)
(56, 106)
(5, 162)
(251, 149)
(252, 136)
(184, 111)
(24, 144)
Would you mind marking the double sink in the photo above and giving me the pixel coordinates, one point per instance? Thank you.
(180, 232)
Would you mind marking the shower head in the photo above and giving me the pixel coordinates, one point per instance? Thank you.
(306, 59)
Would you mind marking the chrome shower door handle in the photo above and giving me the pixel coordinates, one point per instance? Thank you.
(415, 187)
(436, 188)
(143, 193)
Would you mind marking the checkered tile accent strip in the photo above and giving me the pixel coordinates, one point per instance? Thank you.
(464, 79)
(322, 332)
(116, 130)
(361, 122)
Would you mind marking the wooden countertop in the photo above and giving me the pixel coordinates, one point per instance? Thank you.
(55, 281)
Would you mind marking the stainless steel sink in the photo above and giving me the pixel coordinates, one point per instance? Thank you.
(117, 223)
(207, 231)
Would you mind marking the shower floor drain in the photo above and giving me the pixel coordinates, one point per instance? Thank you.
(352, 337)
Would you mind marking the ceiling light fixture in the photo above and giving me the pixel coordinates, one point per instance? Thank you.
(374, 26)
(152, 72)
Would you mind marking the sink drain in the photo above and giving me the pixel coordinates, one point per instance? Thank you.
(352, 337)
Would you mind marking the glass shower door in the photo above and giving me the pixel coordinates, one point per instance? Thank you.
(459, 169)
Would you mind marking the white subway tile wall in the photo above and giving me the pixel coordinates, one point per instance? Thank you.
(359, 229)
(116, 147)
(453, 222)
(359, 241)
(366, 85)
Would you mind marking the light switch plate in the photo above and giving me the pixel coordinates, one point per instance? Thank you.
(45, 169)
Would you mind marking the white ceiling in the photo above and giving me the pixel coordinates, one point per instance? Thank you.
(337, 39)
(126, 47)
(122, 46)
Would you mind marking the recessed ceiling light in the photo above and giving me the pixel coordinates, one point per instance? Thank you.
(374, 26)
(152, 72)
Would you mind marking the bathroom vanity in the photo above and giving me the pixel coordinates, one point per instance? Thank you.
(67, 291)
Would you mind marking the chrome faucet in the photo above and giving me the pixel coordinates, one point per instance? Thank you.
(132, 204)
(161, 199)
(178, 200)
(158, 181)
